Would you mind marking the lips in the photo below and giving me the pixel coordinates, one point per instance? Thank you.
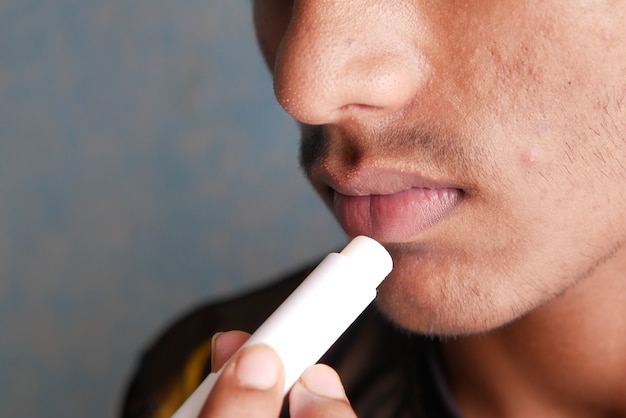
(394, 217)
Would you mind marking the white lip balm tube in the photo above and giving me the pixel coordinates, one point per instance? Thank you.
(315, 315)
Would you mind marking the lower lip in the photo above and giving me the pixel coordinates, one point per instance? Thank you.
(396, 217)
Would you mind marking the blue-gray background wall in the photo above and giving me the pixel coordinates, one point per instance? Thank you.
(144, 167)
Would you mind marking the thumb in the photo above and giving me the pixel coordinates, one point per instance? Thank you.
(319, 393)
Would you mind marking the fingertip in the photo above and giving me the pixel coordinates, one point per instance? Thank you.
(258, 367)
(250, 384)
(224, 345)
(319, 392)
(323, 381)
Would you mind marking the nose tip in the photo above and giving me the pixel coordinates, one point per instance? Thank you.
(333, 65)
(325, 92)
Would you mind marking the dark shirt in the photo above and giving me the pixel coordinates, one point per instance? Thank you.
(386, 371)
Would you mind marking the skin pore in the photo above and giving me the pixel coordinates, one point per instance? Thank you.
(518, 110)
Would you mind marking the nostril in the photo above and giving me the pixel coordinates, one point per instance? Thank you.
(356, 107)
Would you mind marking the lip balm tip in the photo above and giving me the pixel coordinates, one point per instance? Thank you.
(370, 253)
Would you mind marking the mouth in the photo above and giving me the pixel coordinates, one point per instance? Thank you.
(383, 193)
(389, 205)
(396, 217)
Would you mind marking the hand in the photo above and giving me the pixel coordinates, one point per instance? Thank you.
(251, 385)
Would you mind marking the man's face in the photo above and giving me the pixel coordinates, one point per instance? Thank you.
(483, 142)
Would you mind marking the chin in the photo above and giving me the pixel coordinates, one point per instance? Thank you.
(447, 304)
(444, 320)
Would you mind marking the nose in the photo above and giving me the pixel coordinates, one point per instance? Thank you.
(349, 59)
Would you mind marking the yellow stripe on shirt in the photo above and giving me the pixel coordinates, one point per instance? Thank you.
(189, 379)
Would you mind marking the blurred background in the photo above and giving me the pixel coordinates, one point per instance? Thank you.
(144, 168)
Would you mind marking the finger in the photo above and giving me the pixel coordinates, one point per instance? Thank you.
(319, 393)
(224, 345)
(251, 385)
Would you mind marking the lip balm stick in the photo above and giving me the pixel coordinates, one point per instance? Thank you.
(315, 315)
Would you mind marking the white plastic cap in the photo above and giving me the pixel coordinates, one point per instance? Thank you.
(374, 259)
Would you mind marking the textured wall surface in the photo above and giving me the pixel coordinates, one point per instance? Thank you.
(144, 167)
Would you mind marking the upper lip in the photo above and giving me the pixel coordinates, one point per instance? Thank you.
(377, 181)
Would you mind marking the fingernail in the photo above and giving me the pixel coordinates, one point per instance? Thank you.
(214, 347)
(323, 381)
(258, 367)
